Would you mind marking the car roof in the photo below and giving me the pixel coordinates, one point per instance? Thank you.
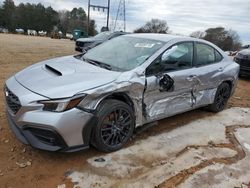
(160, 37)
(168, 37)
(121, 32)
(115, 32)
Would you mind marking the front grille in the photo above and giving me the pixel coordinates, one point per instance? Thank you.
(83, 44)
(12, 101)
(79, 44)
(243, 62)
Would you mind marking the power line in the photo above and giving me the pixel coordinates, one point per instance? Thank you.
(98, 7)
(120, 21)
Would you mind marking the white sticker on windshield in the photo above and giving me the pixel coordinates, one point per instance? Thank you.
(144, 45)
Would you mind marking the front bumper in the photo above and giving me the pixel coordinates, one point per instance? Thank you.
(78, 49)
(245, 70)
(65, 131)
(244, 65)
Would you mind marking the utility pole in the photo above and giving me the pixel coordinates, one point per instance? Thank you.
(124, 13)
(108, 14)
(88, 17)
(98, 7)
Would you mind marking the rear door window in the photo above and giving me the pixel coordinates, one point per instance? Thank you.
(206, 55)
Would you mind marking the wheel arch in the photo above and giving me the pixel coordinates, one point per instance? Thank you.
(120, 96)
(230, 83)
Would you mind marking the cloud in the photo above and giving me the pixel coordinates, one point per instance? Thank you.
(187, 16)
(183, 16)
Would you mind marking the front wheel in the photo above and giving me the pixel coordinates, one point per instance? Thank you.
(115, 125)
(221, 98)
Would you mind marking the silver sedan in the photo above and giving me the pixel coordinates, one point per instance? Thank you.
(100, 97)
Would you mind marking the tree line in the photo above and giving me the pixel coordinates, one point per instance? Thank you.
(228, 40)
(40, 18)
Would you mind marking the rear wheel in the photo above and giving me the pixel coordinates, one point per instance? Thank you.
(115, 125)
(221, 98)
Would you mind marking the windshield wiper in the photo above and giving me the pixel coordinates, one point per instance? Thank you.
(98, 63)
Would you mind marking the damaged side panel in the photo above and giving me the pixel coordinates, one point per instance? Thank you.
(132, 87)
(192, 88)
(160, 104)
(208, 78)
(204, 97)
(150, 103)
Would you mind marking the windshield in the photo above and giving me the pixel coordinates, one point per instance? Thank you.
(124, 53)
(102, 36)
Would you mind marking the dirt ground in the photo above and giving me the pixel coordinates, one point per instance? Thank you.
(45, 169)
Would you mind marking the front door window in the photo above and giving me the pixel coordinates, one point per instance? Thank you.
(178, 57)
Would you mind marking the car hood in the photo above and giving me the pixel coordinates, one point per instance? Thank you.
(92, 39)
(245, 52)
(64, 77)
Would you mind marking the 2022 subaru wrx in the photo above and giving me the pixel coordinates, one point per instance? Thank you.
(98, 98)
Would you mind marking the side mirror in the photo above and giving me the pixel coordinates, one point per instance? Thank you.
(166, 83)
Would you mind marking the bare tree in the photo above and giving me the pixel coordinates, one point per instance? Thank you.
(154, 26)
(227, 40)
(236, 45)
(198, 34)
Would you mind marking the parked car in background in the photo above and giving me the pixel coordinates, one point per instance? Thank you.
(246, 47)
(98, 98)
(19, 31)
(77, 33)
(84, 44)
(32, 32)
(42, 33)
(69, 36)
(243, 59)
(3, 30)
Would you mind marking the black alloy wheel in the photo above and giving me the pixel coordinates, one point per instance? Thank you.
(115, 125)
(221, 97)
(115, 128)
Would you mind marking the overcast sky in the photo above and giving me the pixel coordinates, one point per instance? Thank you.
(182, 16)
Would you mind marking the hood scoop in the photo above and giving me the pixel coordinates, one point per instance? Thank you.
(51, 69)
(59, 69)
(64, 77)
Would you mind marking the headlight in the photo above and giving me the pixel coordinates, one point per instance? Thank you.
(61, 105)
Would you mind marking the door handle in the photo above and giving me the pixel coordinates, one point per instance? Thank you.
(191, 77)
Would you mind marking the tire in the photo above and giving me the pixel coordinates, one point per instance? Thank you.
(221, 98)
(115, 125)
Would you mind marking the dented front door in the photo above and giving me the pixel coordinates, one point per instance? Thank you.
(160, 104)
(174, 66)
